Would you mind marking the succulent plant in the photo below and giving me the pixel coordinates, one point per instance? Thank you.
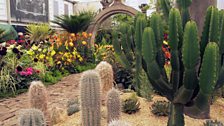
(213, 123)
(113, 105)
(197, 69)
(131, 105)
(119, 123)
(160, 108)
(90, 98)
(106, 75)
(38, 96)
(73, 109)
(31, 117)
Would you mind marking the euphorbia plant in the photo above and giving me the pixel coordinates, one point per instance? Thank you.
(197, 69)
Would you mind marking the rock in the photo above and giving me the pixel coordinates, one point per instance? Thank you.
(57, 115)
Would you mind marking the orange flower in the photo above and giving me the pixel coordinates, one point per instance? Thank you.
(84, 34)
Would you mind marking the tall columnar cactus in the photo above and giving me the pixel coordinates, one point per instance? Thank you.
(31, 117)
(197, 69)
(183, 6)
(106, 75)
(38, 96)
(113, 105)
(90, 98)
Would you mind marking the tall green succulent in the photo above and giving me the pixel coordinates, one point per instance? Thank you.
(196, 68)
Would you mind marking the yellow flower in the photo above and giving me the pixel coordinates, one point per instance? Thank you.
(53, 53)
(84, 42)
(30, 52)
(80, 59)
(69, 60)
(45, 50)
(90, 34)
(34, 47)
(41, 56)
(72, 35)
(39, 49)
(59, 62)
(71, 44)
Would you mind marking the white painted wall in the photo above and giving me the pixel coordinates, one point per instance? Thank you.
(220, 4)
(3, 10)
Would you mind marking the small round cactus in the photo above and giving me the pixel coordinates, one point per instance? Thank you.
(119, 123)
(113, 105)
(106, 75)
(31, 117)
(90, 98)
(38, 96)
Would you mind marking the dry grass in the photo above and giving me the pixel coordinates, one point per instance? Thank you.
(145, 118)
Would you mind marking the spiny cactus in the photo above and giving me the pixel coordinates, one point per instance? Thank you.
(90, 98)
(38, 96)
(113, 105)
(119, 123)
(31, 117)
(106, 75)
(196, 71)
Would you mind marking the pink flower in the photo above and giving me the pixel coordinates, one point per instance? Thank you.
(23, 73)
(29, 69)
(29, 73)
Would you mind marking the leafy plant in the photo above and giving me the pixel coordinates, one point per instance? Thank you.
(75, 23)
(38, 32)
(160, 108)
(131, 105)
(213, 123)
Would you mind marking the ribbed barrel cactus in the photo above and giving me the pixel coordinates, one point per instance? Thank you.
(31, 117)
(90, 98)
(113, 105)
(197, 69)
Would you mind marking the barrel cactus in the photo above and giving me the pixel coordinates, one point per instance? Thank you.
(31, 117)
(106, 75)
(38, 96)
(90, 98)
(197, 69)
(113, 105)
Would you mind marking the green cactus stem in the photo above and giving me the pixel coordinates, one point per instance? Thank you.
(31, 117)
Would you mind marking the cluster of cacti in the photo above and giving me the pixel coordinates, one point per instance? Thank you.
(90, 98)
(160, 108)
(113, 105)
(31, 117)
(131, 104)
(119, 123)
(197, 69)
(38, 96)
(106, 75)
(213, 123)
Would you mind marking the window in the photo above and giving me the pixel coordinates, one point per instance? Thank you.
(66, 9)
(56, 8)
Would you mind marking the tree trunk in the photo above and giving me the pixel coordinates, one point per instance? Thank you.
(198, 10)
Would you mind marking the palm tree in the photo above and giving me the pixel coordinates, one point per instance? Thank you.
(75, 23)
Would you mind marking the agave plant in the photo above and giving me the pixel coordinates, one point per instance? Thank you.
(75, 23)
(38, 32)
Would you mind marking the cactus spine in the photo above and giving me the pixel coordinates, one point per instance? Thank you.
(113, 105)
(106, 75)
(31, 117)
(38, 96)
(90, 98)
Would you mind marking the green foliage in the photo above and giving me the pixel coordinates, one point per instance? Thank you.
(83, 67)
(75, 23)
(213, 123)
(38, 32)
(31, 117)
(7, 82)
(160, 108)
(131, 104)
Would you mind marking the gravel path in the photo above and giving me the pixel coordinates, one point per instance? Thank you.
(59, 94)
